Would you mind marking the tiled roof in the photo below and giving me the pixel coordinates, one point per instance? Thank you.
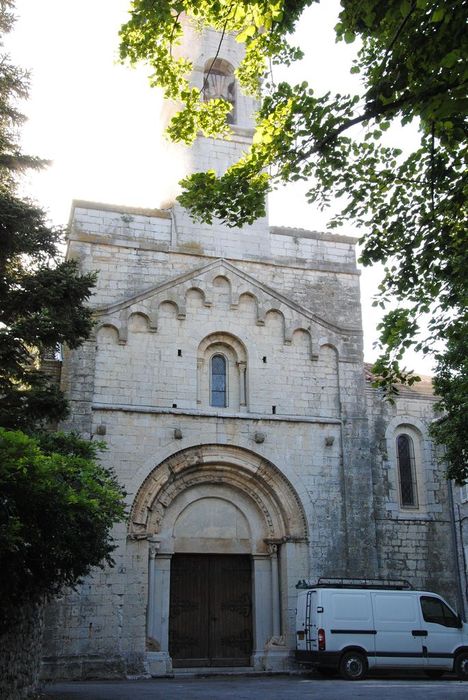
(422, 389)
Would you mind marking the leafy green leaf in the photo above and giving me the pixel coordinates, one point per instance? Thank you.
(411, 206)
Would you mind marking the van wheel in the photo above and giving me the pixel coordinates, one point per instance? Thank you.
(461, 666)
(353, 666)
(433, 673)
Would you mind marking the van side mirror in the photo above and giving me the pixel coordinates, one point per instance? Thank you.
(460, 623)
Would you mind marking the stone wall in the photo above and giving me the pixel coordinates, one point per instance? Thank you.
(100, 631)
(289, 321)
(460, 495)
(283, 307)
(95, 631)
(134, 249)
(289, 314)
(415, 543)
(20, 653)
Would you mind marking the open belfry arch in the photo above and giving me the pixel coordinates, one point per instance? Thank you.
(226, 375)
(219, 500)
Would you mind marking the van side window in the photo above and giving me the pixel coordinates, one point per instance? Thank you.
(434, 610)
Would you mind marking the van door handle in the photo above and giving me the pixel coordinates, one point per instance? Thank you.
(419, 633)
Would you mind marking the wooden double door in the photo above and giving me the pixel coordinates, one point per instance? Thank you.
(210, 616)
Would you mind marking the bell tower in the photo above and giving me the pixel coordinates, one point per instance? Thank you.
(215, 58)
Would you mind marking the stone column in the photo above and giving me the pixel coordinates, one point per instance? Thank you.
(151, 609)
(159, 574)
(242, 383)
(261, 599)
(200, 363)
(275, 598)
(277, 653)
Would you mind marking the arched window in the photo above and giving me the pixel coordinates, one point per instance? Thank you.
(407, 471)
(219, 83)
(222, 372)
(218, 381)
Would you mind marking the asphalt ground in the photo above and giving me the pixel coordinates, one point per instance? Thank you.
(259, 688)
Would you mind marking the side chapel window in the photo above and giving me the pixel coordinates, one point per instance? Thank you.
(220, 83)
(407, 471)
(218, 381)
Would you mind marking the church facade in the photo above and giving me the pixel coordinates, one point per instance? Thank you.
(226, 375)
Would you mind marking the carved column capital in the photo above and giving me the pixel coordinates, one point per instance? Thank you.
(154, 546)
(272, 545)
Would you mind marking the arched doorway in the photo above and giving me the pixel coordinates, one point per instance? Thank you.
(210, 599)
(216, 518)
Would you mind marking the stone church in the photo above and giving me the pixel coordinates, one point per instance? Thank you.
(226, 376)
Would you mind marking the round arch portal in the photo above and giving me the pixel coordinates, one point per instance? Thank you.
(220, 501)
(239, 469)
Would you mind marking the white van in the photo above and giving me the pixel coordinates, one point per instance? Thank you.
(350, 626)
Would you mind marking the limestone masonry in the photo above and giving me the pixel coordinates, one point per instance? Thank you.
(226, 376)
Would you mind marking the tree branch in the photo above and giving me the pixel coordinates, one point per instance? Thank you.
(396, 35)
(202, 91)
(432, 170)
(374, 110)
(176, 19)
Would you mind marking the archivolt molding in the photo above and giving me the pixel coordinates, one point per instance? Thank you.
(313, 350)
(202, 288)
(222, 338)
(401, 420)
(240, 289)
(235, 467)
(176, 300)
(120, 328)
(149, 315)
(329, 346)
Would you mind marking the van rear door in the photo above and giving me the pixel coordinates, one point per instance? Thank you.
(306, 621)
(399, 639)
(311, 612)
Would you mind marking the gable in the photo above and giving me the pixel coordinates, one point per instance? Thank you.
(236, 284)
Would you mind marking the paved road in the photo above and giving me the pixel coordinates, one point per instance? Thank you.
(259, 688)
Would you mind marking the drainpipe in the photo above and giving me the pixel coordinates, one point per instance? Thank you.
(342, 471)
(462, 543)
(461, 599)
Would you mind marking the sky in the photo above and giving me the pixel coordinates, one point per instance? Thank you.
(99, 122)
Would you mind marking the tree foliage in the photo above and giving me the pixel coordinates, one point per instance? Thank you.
(57, 506)
(57, 503)
(42, 296)
(411, 207)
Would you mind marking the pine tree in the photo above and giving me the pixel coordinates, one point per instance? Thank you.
(42, 296)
